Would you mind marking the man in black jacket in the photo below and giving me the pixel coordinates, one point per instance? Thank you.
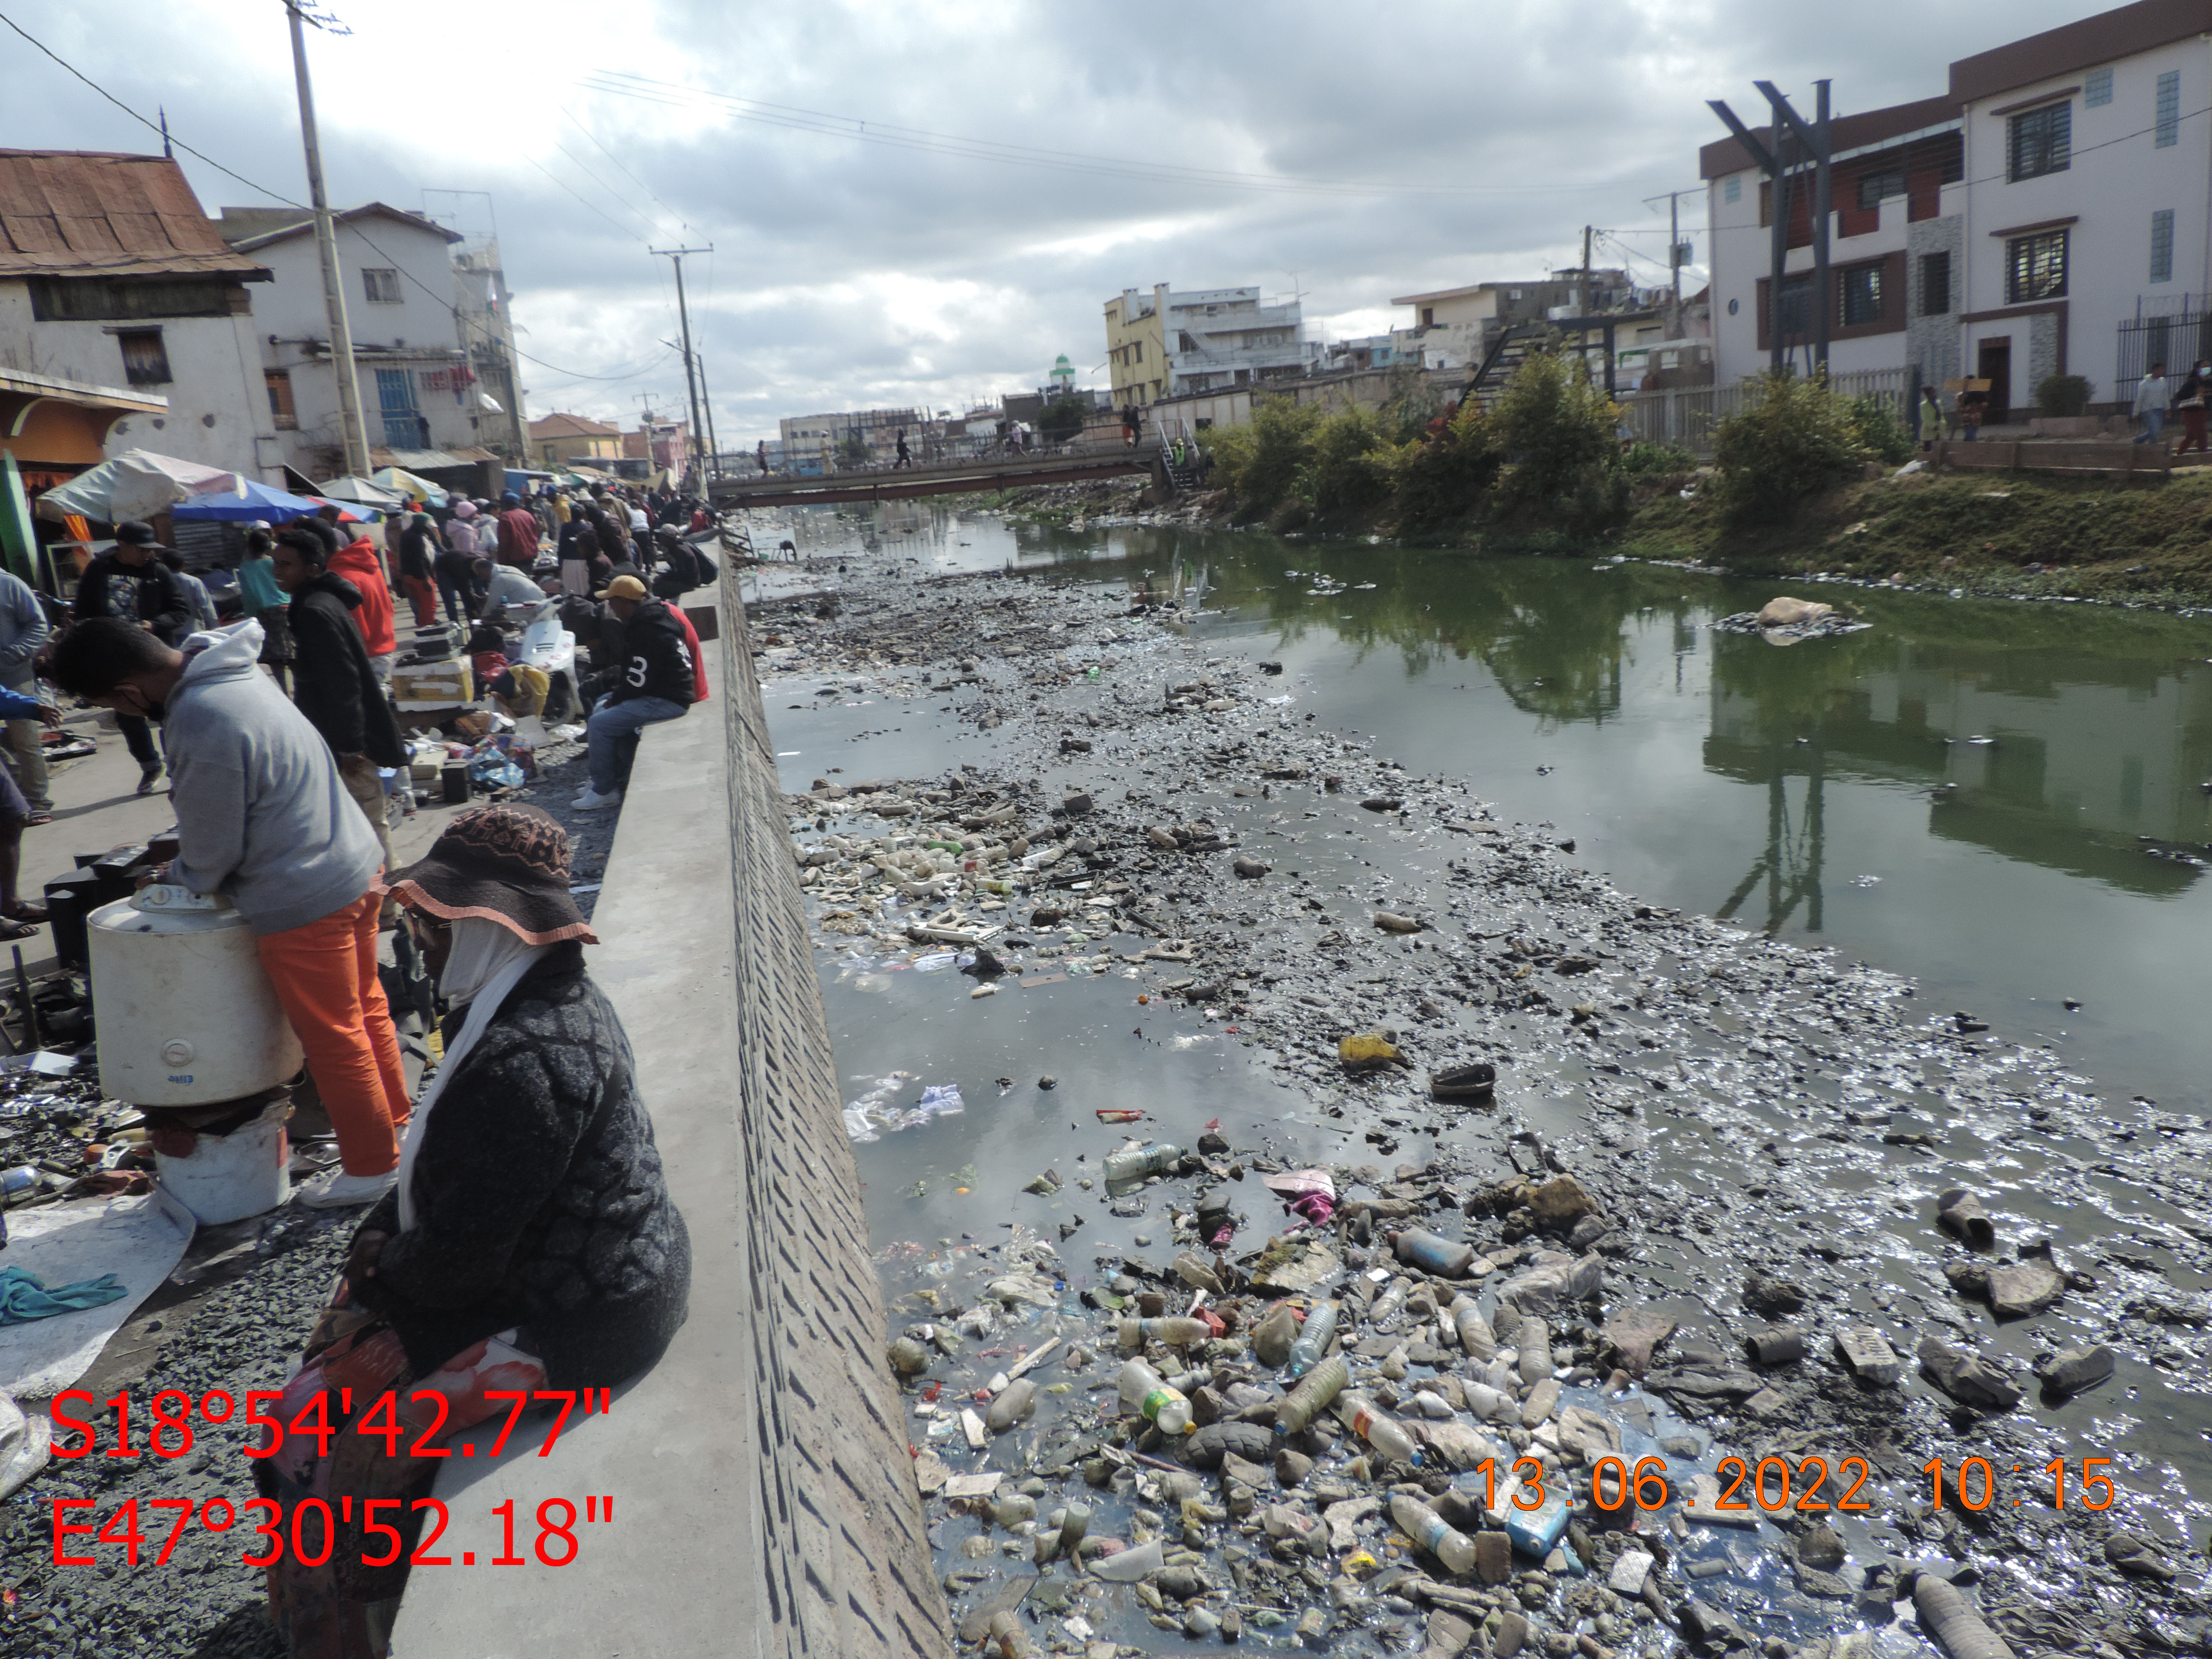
(654, 681)
(130, 583)
(333, 683)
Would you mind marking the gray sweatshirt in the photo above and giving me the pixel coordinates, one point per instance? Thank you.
(261, 814)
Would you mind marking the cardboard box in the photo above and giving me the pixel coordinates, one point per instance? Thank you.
(433, 684)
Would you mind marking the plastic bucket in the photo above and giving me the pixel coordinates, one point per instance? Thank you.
(230, 1177)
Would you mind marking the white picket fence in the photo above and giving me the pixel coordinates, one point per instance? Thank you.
(1686, 417)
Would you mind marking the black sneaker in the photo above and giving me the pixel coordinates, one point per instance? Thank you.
(147, 777)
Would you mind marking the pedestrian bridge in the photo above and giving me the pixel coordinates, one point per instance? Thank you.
(1073, 463)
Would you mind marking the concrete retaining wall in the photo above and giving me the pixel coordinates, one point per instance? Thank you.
(765, 1498)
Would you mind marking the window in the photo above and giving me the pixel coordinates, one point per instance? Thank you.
(1934, 284)
(1878, 186)
(116, 299)
(279, 382)
(382, 283)
(2035, 267)
(145, 360)
(1428, 316)
(2042, 142)
(1732, 188)
(2169, 111)
(1862, 294)
(2097, 89)
(2161, 246)
(1140, 351)
(1796, 309)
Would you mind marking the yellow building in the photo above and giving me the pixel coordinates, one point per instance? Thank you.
(1136, 347)
(559, 440)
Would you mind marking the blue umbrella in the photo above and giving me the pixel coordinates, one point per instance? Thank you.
(249, 501)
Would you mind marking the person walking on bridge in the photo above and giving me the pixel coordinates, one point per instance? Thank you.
(905, 457)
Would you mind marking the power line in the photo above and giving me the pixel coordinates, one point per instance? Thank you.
(627, 174)
(557, 179)
(603, 184)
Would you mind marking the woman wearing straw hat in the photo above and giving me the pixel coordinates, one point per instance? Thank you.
(530, 1243)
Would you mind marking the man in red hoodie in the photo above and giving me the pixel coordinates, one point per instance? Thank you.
(357, 563)
(518, 533)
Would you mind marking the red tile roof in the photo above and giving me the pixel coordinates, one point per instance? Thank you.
(558, 425)
(79, 213)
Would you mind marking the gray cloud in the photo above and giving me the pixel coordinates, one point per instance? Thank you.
(849, 273)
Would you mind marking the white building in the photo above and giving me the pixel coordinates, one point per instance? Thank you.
(1453, 327)
(2046, 215)
(419, 392)
(1169, 344)
(111, 275)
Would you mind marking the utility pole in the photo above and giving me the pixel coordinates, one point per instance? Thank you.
(1674, 264)
(1584, 304)
(690, 377)
(354, 427)
(707, 402)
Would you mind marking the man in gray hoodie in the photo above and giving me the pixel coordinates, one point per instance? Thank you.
(264, 817)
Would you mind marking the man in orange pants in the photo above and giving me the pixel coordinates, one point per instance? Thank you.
(263, 816)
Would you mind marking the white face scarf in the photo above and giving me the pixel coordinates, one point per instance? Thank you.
(487, 961)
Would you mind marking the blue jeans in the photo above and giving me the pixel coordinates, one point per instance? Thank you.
(2154, 424)
(611, 733)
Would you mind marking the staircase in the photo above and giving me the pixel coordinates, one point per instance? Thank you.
(1507, 352)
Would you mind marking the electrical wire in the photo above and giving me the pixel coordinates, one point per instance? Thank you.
(673, 215)
(603, 186)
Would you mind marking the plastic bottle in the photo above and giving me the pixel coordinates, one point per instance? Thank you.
(1388, 1305)
(1311, 1397)
(1313, 1342)
(1174, 1330)
(1476, 1340)
(1144, 1393)
(1013, 1406)
(1127, 1566)
(1388, 1436)
(1432, 1533)
(1432, 1253)
(1140, 1162)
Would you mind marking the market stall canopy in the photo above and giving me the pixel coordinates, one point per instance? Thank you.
(247, 503)
(423, 489)
(136, 484)
(362, 492)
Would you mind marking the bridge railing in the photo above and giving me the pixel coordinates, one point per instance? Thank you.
(1149, 443)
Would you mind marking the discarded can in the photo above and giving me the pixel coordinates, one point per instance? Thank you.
(1299, 1409)
(1313, 1342)
(1358, 1412)
(20, 1179)
(1144, 1393)
(1140, 1162)
(1432, 1253)
(1433, 1533)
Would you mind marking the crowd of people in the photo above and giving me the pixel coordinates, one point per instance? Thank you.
(524, 1231)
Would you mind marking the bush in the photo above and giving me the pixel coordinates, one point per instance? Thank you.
(1447, 477)
(1260, 464)
(2061, 395)
(1645, 460)
(1555, 426)
(1062, 419)
(1880, 429)
(1352, 464)
(1797, 440)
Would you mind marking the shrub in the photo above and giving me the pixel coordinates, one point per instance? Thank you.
(1260, 464)
(1880, 429)
(1644, 460)
(1352, 464)
(1555, 426)
(1798, 439)
(1062, 419)
(1447, 477)
(2062, 395)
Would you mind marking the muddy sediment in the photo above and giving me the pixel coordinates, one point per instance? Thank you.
(1762, 1137)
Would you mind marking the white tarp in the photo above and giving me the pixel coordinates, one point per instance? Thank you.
(139, 1240)
(136, 484)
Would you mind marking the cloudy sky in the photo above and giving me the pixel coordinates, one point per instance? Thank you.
(916, 205)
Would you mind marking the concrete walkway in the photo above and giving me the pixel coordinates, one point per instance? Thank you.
(764, 1499)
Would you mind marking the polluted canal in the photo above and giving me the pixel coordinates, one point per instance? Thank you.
(1319, 1206)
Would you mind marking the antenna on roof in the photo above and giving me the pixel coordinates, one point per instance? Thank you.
(168, 154)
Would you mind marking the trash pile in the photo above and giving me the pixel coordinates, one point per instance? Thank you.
(487, 754)
(1785, 621)
(1381, 1422)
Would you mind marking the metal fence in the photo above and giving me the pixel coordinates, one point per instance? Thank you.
(1685, 418)
(2176, 337)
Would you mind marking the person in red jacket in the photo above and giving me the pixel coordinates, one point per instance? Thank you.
(357, 563)
(518, 533)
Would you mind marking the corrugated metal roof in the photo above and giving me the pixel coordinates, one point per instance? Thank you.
(560, 424)
(79, 213)
(256, 227)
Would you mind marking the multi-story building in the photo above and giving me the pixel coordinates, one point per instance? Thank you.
(419, 389)
(2046, 215)
(113, 280)
(1167, 344)
(821, 441)
(485, 312)
(562, 440)
(1453, 327)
